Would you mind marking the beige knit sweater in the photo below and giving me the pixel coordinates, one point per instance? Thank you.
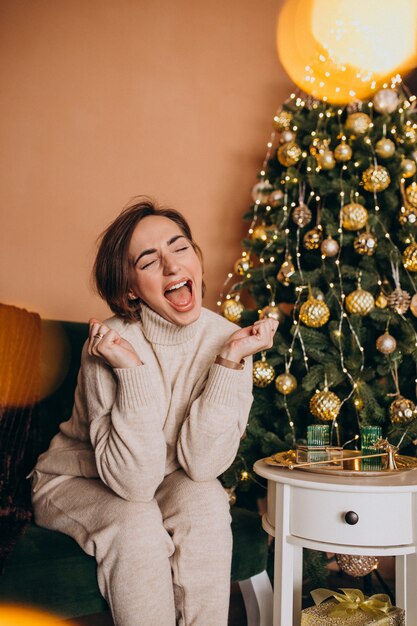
(133, 426)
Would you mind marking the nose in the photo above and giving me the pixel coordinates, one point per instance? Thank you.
(171, 265)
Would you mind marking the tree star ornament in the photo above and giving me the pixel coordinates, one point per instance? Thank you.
(325, 405)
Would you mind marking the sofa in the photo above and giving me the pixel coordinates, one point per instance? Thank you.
(48, 570)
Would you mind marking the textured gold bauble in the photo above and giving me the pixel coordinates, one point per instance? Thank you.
(282, 120)
(286, 383)
(413, 305)
(289, 154)
(376, 178)
(358, 123)
(326, 160)
(262, 373)
(411, 194)
(260, 192)
(410, 133)
(402, 410)
(301, 215)
(243, 265)
(342, 152)
(314, 313)
(313, 238)
(410, 257)
(285, 272)
(354, 216)
(272, 311)
(325, 405)
(275, 197)
(357, 566)
(360, 301)
(381, 301)
(365, 243)
(386, 100)
(399, 300)
(231, 494)
(232, 309)
(408, 215)
(329, 247)
(259, 233)
(408, 168)
(386, 343)
(385, 148)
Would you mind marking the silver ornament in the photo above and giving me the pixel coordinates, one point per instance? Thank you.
(386, 343)
(386, 101)
(329, 247)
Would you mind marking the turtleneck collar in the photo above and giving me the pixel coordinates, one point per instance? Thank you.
(158, 330)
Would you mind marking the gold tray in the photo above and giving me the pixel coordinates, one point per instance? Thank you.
(350, 468)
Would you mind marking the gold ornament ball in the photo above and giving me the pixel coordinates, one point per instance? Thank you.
(273, 311)
(382, 301)
(275, 197)
(354, 216)
(325, 405)
(243, 265)
(358, 123)
(342, 152)
(329, 247)
(286, 383)
(386, 343)
(262, 373)
(410, 133)
(357, 566)
(365, 243)
(285, 272)
(314, 313)
(408, 168)
(413, 305)
(399, 300)
(410, 257)
(376, 178)
(385, 148)
(326, 160)
(386, 101)
(301, 215)
(282, 120)
(232, 309)
(259, 233)
(411, 194)
(260, 192)
(313, 238)
(408, 215)
(360, 301)
(289, 154)
(402, 410)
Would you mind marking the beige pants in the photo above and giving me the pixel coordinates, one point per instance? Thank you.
(156, 559)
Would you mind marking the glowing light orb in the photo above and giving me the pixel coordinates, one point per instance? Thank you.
(23, 616)
(341, 50)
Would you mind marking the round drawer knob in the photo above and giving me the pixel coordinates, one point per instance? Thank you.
(351, 518)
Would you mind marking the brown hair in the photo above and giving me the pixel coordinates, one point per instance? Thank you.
(111, 267)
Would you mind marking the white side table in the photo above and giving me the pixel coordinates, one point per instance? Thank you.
(307, 510)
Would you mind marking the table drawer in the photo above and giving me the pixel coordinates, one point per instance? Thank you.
(381, 520)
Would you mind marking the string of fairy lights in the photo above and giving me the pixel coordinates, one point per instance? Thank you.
(312, 310)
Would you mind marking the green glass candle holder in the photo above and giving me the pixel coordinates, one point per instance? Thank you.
(369, 436)
(318, 435)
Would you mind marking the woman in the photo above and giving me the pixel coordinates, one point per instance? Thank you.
(162, 400)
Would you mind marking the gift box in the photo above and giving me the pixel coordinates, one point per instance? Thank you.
(351, 608)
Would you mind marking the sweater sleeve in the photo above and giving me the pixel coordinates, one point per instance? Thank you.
(125, 428)
(209, 437)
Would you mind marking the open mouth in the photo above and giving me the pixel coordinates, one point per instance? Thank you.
(180, 294)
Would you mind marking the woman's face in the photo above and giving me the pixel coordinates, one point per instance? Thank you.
(165, 270)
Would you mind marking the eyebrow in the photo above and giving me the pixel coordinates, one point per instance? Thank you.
(153, 250)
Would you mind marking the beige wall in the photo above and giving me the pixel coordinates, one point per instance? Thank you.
(103, 100)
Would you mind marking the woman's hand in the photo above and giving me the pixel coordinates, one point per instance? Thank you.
(108, 345)
(250, 340)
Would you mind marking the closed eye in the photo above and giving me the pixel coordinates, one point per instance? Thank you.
(181, 249)
(148, 264)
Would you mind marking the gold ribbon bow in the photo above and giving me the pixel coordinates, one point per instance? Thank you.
(351, 600)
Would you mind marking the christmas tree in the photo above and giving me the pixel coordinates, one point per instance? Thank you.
(331, 252)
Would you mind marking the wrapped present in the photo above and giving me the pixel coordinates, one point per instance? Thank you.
(351, 608)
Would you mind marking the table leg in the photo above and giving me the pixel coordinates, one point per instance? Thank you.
(405, 586)
(287, 566)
